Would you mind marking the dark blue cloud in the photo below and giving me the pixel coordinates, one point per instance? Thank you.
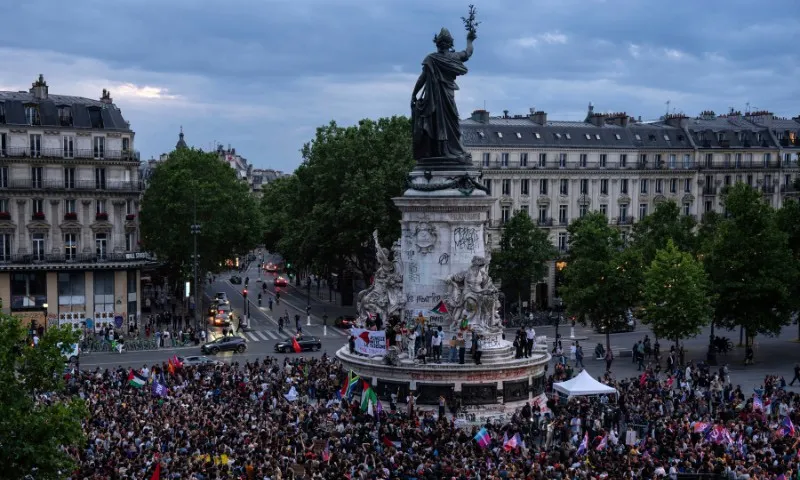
(263, 74)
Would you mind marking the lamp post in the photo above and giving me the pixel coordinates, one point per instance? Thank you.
(44, 322)
(195, 229)
(711, 356)
(560, 308)
(308, 301)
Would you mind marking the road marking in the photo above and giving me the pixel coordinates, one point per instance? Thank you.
(253, 336)
(271, 334)
(261, 334)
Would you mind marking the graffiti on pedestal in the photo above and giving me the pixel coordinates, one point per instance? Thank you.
(413, 272)
(444, 259)
(465, 239)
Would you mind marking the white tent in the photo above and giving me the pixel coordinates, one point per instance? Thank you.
(583, 384)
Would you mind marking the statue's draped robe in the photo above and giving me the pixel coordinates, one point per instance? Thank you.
(437, 132)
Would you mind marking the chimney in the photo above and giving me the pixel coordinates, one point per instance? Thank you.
(762, 117)
(708, 115)
(505, 113)
(620, 119)
(481, 116)
(39, 88)
(596, 119)
(539, 117)
(677, 120)
(106, 97)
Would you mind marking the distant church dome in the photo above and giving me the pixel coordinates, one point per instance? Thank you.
(181, 142)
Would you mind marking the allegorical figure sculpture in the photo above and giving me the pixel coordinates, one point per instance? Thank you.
(437, 132)
(473, 297)
(385, 296)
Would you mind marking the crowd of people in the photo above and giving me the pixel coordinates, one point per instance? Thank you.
(288, 419)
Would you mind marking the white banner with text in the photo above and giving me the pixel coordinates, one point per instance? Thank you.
(371, 343)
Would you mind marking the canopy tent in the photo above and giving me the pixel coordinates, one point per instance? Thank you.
(583, 384)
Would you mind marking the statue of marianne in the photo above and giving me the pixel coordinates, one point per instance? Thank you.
(436, 129)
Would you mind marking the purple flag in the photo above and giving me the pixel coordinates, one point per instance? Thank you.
(159, 389)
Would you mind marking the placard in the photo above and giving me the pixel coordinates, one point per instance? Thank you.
(371, 343)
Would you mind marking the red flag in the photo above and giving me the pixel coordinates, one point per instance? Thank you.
(170, 367)
(364, 336)
(157, 472)
(643, 380)
(296, 346)
(177, 362)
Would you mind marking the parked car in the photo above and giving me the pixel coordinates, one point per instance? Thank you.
(307, 344)
(198, 360)
(236, 280)
(281, 282)
(232, 343)
(221, 298)
(344, 321)
(620, 325)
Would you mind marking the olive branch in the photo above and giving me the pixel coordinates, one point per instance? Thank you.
(470, 24)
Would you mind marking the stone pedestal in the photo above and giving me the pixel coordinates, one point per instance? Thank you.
(442, 230)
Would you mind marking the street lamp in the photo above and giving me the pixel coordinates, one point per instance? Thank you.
(560, 308)
(711, 356)
(195, 230)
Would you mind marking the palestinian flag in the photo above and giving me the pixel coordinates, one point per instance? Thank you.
(135, 380)
(391, 443)
(369, 399)
(440, 308)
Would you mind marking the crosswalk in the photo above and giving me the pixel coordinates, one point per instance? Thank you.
(271, 335)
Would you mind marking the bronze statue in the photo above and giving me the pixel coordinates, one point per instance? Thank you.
(437, 132)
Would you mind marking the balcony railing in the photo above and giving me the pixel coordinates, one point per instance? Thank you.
(544, 222)
(56, 258)
(71, 216)
(563, 221)
(789, 189)
(767, 188)
(741, 165)
(99, 154)
(625, 221)
(61, 184)
(5, 215)
(709, 190)
(130, 216)
(572, 165)
(38, 216)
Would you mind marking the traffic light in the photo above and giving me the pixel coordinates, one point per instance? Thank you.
(244, 293)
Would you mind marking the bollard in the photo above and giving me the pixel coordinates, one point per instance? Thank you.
(325, 331)
(308, 320)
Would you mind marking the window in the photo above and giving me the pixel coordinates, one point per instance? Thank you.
(506, 186)
(709, 206)
(69, 147)
(767, 158)
(748, 159)
(563, 186)
(64, 116)
(505, 214)
(623, 160)
(523, 159)
(70, 246)
(99, 147)
(542, 159)
(584, 159)
(37, 247)
(101, 245)
(542, 214)
(787, 180)
(617, 136)
(658, 160)
(69, 206)
(673, 185)
(603, 186)
(524, 208)
(32, 115)
(95, 117)
(673, 160)
(623, 186)
(36, 177)
(537, 134)
(642, 210)
(569, 137)
(604, 210)
(28, 290)
(638, 137)
(739, 178)
(100, 206)
(687, 185)
(584, 186)
(596, 136)
(519, 135)
(687, 161)
(738, 158)
(100, 178)
(504, 159)
(603, 160)
(563, 219)
(687, 209)
(623, 213)
(659, 185)
(643, 185)
(488, 185)
(5, 247)
(709, 160)
(38, 206)
(69, 177)
(642, 159)
(3, 177)
(543, 186)
(562, 241)
(499, 134)
(750, 180)
(588, 137)
(727, 180)
(2, 142)
(72, 289)
(486, 159)
(582, 210)
(4, 205)
(103, 291)
(524, 187)
(727, 160)
(130, 242)
(35, 144)
(129, 207)
(562, 160)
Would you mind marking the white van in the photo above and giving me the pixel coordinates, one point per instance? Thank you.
(72, 353)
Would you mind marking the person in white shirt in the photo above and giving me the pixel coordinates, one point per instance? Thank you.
(436, 345)
(412, 343)
(35, 340)
(530, 336)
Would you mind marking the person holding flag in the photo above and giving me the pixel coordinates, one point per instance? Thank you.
(584, 446)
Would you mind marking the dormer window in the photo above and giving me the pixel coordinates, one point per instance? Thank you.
(568, 136)
(499, 134)
(596, 136)
(519, 135)
(666, 137)
(588, 137)
(537, 135)
(32, 115)
(2, 112)
(96, 117)
(618, 136)
(557, 135)
(65, 116)
(638, 137)
(480, 134)
(652, 137)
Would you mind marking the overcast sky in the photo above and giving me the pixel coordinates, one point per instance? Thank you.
(261, 75)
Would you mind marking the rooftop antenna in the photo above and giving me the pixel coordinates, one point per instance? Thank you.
(668, 102)
(747, 109)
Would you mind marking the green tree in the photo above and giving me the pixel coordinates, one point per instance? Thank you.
(343, 192)
(602, 280)
(192, 181)
(676, 300)
(524, 251)
(788, 219)
(652, 232)
(32, 431)
(750, 265)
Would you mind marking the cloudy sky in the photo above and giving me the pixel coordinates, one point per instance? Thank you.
(261, 75)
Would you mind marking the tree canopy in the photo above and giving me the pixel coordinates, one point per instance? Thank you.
(324, 216)
(652, 232)
(750, 265)
(229, 217)
(32, 430)
(524, 251)
(676, 300)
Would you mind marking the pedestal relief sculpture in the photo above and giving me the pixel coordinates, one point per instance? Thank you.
(385, 296)
(472, 299)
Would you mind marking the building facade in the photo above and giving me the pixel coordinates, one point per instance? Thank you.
(69, 198)
(560, 170)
